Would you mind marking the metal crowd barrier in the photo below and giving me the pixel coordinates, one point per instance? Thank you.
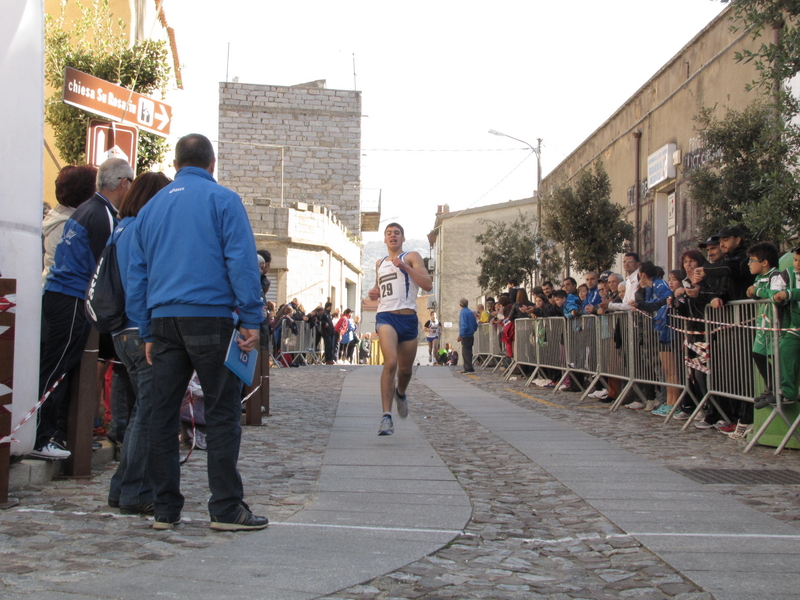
(481, 350)
(301, 344)
(496, 354)
(712, 356)
(730, 332)
(613, 346)
(525, 348)
(653, 358)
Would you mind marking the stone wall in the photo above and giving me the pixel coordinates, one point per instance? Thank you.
(317, 130)
(311, 249)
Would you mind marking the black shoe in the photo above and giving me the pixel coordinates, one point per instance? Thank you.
(165, 523)
(113, 503)
(143, 508)
(764, 400)
(239, 520)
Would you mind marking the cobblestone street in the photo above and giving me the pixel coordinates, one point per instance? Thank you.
(530, 536)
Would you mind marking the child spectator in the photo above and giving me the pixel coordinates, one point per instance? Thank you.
(789, 345)
(763, 263)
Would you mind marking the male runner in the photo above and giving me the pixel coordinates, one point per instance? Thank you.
(398, 278)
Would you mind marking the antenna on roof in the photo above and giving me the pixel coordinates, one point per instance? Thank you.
(227, 62)
(355, 87)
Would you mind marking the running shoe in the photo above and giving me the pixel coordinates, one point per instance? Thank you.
(50, 451)
(741, 431)
(387, 426)
(402, 404)
(704, 425)
(681, 416)
(635, 406)
(727, 428)
(661, 411)
(651, 405)
(600, 394)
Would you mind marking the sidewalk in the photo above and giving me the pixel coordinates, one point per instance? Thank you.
(487, 490)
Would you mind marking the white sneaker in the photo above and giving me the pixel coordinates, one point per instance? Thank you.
(635, 406)
(600, 394)
(51, 451)
(564, 388)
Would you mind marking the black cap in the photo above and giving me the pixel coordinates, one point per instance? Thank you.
(604, 275)
(712, 241)
(732, 231)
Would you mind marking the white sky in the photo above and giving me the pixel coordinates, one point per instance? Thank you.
(435, 76)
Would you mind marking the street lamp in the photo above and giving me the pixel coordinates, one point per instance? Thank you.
(538, 152)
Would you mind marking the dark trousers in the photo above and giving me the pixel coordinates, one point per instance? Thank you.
(65, 332)
(182, 345)
(466, 351)
(131, 482)
(330, 346)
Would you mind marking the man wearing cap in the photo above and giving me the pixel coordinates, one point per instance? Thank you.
(734, 264)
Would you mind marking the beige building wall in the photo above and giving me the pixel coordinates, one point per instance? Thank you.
(292, 144)
(455, 273)
(313, 257)
(703, 74)
(139, 16)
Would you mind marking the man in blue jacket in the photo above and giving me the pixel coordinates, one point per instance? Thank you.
(64, 325)
(467, 326)
(192, 264)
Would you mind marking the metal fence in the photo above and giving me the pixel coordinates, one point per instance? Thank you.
(705, 360)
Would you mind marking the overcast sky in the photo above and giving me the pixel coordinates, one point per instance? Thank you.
(435, 76)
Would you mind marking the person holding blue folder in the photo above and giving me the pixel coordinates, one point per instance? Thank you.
(192, 264)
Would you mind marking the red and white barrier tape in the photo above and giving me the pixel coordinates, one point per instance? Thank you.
(9, 438)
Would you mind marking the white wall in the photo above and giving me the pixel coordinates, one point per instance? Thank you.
(21, 173)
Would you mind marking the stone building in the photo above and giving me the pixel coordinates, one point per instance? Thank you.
(293, 155)
(649, 144)
(454, 269)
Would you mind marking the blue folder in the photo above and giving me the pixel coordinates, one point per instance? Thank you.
(243, 364)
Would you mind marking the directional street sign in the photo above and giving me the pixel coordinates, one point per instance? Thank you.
(115, 102)
(106, 140)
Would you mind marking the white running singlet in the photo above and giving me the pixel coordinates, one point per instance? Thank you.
(397, 289)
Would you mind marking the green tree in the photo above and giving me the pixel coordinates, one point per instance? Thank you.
(97, 44)
(751, 182)
(591, 229)
(514, 250)
(777, 24)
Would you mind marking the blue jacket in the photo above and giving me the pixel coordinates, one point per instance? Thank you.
(467, 323)
(122, 236)
(593, 298)
(655, 296)
(573, 303)
(85, 235)
(193, 255)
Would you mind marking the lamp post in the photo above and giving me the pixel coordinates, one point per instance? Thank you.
(538, 152)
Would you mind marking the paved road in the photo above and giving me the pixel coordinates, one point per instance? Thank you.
(488, 490)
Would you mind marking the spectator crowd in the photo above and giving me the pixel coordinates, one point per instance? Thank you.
(722, 269)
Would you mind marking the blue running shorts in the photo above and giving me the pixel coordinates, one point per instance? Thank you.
(405, 325)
